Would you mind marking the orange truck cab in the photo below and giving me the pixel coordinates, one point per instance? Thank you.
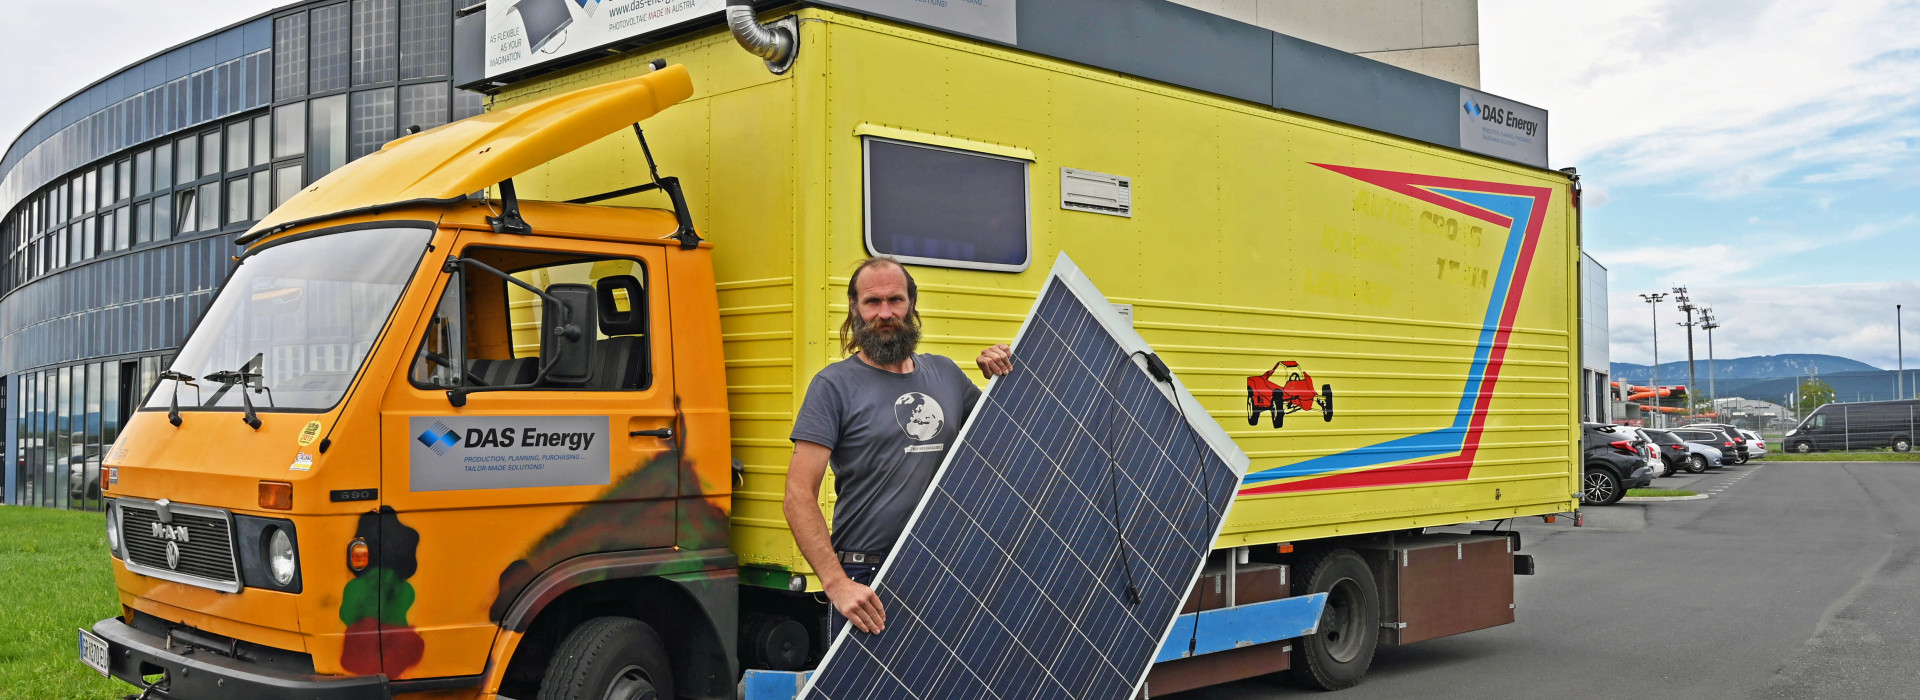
(417, 446)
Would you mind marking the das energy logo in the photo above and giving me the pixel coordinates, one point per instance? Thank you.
(439, 438)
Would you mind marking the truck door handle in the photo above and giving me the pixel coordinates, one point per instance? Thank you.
(656, 432)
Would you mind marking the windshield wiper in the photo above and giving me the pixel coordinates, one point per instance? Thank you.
(173, 407)
(230, 378)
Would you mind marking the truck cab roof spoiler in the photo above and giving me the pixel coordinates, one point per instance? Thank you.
(449, 162)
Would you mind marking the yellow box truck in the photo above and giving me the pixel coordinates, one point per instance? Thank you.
(427, 443)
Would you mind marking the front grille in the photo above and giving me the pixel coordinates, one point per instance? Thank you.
(206, 554)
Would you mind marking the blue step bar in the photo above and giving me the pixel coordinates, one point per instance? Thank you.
(1220, 630)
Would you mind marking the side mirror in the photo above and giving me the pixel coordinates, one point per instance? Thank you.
(570, 317)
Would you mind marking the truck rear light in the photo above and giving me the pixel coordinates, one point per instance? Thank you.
(358, 555)
(276, 495)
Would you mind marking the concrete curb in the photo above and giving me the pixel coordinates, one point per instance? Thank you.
(1657, 499)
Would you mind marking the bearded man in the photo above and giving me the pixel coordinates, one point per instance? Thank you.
(884, 418)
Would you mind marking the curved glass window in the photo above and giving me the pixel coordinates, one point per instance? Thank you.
(295, 322)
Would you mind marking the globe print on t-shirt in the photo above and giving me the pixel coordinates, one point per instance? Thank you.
(919, 415)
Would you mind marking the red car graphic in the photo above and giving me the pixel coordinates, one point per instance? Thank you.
(1296, 393)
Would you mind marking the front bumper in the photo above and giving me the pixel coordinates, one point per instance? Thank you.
(196, 673)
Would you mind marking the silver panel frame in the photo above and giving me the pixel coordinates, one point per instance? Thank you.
(233, 545)
(866, 207)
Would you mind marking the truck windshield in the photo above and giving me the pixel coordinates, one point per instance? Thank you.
(294, 323)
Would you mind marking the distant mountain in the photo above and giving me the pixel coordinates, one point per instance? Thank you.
(1761, 367)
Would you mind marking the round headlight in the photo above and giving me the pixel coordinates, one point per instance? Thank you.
(113, 529)
(280, 557)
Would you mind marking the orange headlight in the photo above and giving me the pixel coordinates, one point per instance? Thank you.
(276, 495)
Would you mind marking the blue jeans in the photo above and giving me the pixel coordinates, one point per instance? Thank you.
(861, 574)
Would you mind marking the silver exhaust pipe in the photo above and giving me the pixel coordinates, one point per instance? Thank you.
(777, 44)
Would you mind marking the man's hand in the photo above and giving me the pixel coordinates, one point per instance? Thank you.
(995, 361)
(859, 604)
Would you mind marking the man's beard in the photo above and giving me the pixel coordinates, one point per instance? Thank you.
(886, 348)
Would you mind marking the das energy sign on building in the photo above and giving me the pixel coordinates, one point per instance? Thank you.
(525, 33)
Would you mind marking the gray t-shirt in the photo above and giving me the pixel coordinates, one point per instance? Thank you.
(888, 433)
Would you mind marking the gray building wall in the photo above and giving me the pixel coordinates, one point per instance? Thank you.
(1440, 38)
(1596, 404)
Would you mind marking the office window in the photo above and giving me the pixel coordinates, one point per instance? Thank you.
(327, 134)
(142, 173)
(186, 217)
(123, 180)
(239, 139)
(423, 105)
(290, 56)
(237, 200)
(163, 217)
(372, 115)
(262, 139)
(76, 203)
(289, 130)
(467, 104)
(327, 69)
(122, 230)
(163, 166)
(143, 223)
(286, 183)
(210, 206)
(188, 161)
(374, 27)
(210, 154)
(424, 39)
(262, 194)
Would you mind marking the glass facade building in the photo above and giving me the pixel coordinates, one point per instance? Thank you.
(119, 206)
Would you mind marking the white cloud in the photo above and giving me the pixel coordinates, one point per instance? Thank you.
(1728, 96)
(1724, 263)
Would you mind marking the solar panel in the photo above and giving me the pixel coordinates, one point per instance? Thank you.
(1057, 541)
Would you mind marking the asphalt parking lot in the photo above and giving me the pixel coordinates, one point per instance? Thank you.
(1793, 580)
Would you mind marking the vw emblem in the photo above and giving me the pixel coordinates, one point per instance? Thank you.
(173, 555)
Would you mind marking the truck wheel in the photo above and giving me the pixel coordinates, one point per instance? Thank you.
(609, 658)
(1803, 447)
(1253, 410)
(1601, 487)
(1902, 444)
(1326, 402)
(1337, 655)
(1697, 464)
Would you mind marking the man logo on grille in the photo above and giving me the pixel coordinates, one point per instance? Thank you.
(439, 438)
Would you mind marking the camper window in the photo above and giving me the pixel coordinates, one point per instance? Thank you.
(933, 205)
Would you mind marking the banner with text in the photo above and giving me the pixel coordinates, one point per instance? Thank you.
(525, 33)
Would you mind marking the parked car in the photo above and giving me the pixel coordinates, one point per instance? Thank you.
(1647, 448)
(1756, 445)
(1702, 456)
(1613, 465)
(1725, 438)
(1672, 450)
(1850, 426)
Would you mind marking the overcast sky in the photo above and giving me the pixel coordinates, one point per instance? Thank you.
(1765, 154)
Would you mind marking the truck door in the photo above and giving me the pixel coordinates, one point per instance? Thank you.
(528, 472)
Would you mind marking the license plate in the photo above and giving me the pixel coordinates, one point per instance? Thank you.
(93, 652)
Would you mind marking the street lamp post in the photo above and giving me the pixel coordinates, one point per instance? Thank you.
(1900, 373)
(1708, 323)
(1653, 300)
(1686, 304)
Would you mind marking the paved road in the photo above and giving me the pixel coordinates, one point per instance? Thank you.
(1794, 580)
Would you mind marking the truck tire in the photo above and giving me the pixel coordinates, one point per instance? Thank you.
(609, 658)
(1337, 654)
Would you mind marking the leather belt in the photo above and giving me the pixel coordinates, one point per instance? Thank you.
(864, 558)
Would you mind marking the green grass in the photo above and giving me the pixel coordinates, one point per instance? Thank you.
(1868, 456)
(1660, 493)
(54, 577)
